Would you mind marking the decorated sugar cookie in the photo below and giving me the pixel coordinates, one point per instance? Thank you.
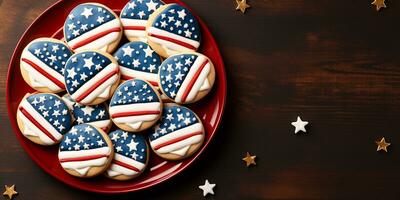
(138, 60)
(69, 101)
(186, 78)
(95, 115)
(134, 17)
(85, 151)
(91, 77)
(43, 118)
(178, 135)
(42, 64)
(173, 29)
(131, 155)
(92, 26)
(135, 106)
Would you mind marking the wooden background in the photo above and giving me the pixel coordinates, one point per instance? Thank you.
(334, 63)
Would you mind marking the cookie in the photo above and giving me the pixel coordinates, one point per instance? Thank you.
(134, 18)
(43, 118)
(92, 26)
(135, 106)
(42, 64)
(138, 60)
(178, 135)
(69, 101)
(173, 29)
(131, 155)
(91, 77)
(186, 78)
(95, 115)
(85, 151)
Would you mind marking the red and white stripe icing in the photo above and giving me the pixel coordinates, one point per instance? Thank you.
(97, 38)
(135, 28)
(40, 74)
(128, 73)
(123, 165)
(102, 124)
(97, 86)
(81, 161)
(133, 115)
(36, 125)
(179, 141)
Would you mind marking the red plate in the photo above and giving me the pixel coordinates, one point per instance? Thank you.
(49, 24)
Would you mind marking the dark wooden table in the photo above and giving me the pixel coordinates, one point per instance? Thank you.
(334, 63)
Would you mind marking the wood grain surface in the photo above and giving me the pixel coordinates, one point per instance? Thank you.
(334, 63)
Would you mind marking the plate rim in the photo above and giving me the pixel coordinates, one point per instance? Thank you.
(121, 190)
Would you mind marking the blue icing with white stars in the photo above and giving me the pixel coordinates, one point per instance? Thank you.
(138, 56)
(178, 20)
(82, 137)
(84, 18)
(173, 118)
(87, 114)
(53, 54)
(173, 72)
(53, 109)
(140, 9)
(134, 91)
(82, 67)
(130, 145)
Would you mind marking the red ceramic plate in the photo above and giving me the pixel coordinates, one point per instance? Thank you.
(49, 24)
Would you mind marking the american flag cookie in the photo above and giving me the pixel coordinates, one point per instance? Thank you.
(43, 118)
(134, 18)
(131, 155)
(187, 77)
(135, 105)
(91, 77)
(173, 29)
(95, 115)
(85, 151)
(92, 26)
(138, 60)
(69, 101)
(42, 64)
(178, 135)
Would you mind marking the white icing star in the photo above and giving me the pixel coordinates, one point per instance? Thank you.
(88, 129)
(37, 52)
(55, 48)
(88, 62)
(53, 58)
(179, 76)
(127, 51)
(100, 142)
(81, 139)
(118, 148)
(75, 32)
(73, 131)
(151, 68)
(136, 63)
(186, 121)
(100, 19)
(151, 6)
(207, 188)
(182, 14)
(148, 51)
(79, 120)
(71, 16)
(124, 135)
(84, 27)
(77, 147)
(75, 83)
(115, 136)
(83, 76)
(87, 110)
(132, 145)
(188, 33)
(299, 125)
(141, 14)
(180, 117)
(67, 141)
(131, 5)
(172, 127)
(71, 26)
(188, 61)
(163, 24)
(87, 12)
(102, 113)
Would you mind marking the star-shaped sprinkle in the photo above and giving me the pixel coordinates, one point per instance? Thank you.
(242, 5)
(299, 125)
(249, 159)
(382, 145)
(10, 191)
(207, 188)
(379, 4)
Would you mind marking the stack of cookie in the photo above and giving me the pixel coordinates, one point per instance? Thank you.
(106, 104)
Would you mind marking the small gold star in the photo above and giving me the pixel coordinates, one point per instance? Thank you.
(249, 159)
(382, 145)
(10, 191)
(242, 5)
(379, 4)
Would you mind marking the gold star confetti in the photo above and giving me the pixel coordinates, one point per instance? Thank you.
(249, 159)
(242, 5)
(10, 191)
(382, 145)
(379, 4)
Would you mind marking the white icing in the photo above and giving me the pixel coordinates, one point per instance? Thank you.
(101, 124)
(70, 104)
(36, 78)
(135, 33)
(32, 130)
(105, 94)
(181, 144)
(181, 151)
(133, 121)
(99, 43)
(116, 169)
(83, 166)
(163, 174)
(100, 89)
(167, 45)
(199, 82)
(139, 74)
(206, 85)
